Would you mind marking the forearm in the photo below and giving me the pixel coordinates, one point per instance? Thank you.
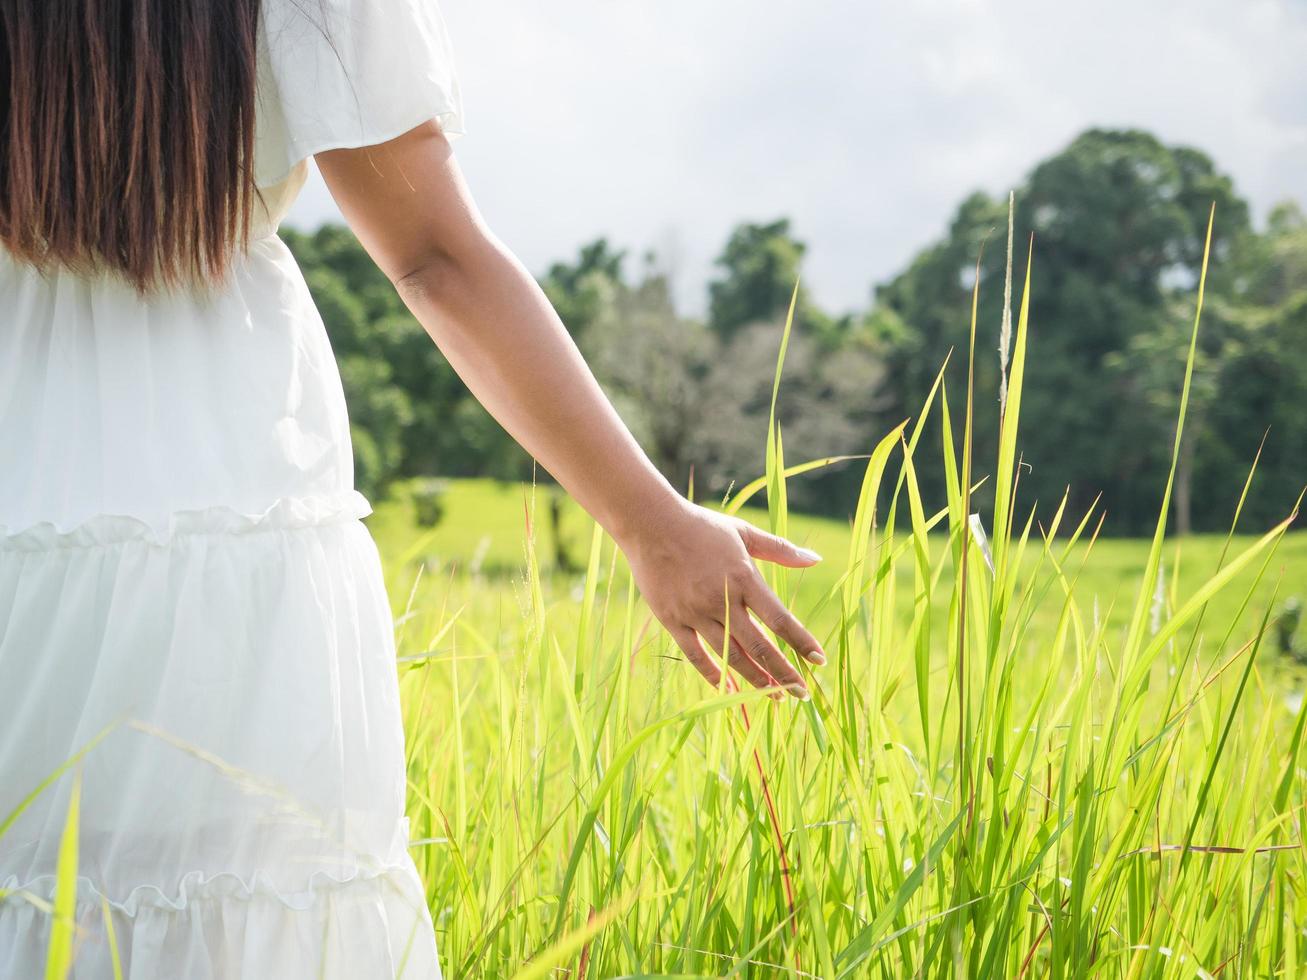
(498, 330)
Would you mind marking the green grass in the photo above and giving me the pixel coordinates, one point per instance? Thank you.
(505, 753)
(1084, 762)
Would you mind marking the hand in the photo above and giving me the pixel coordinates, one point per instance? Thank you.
(689, 561)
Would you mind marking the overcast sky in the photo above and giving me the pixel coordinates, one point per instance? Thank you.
(663, 123)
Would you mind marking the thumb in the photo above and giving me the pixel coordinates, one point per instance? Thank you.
(773, 548)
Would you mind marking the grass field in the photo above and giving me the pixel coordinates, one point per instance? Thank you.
(1032, 753)
(482, 538)
(528, 689)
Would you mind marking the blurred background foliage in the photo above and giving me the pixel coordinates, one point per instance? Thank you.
(1117, 219)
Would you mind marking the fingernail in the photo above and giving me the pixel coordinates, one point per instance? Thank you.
(799, 691)
(816, 656)
(809, 554)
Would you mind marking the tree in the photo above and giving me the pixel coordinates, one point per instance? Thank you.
(1119, 221)
(1263, 383)
(828, 406)
(652, 362)
(761, 267)
(579, 290)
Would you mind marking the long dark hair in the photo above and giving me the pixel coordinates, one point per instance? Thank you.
(127, 135)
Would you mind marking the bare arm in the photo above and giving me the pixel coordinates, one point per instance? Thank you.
(407, 202)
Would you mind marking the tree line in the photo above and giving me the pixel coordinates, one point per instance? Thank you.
(1117, 220)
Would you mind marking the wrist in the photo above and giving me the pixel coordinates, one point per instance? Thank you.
(646, 515)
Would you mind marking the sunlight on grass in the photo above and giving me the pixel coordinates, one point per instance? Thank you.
(1063, 757)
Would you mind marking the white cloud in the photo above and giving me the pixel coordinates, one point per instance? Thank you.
(663, 124)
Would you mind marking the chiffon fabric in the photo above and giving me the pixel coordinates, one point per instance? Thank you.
(190, 604)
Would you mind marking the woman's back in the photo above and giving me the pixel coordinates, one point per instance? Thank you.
(119, 405)
(116, 407)
(182, 565)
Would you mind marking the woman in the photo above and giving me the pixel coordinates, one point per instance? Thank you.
(188, 597)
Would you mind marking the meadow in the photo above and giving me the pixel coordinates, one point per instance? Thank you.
(1033, 752)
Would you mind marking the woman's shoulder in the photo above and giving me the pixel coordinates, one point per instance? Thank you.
(336, 73)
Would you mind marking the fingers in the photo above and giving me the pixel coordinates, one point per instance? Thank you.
(764, 652)
(690, 644)
(753, 656)
(773, 548)
(744, 665)
(773, 614)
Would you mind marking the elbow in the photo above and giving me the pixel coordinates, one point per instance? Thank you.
(441, 274)
(424, 281)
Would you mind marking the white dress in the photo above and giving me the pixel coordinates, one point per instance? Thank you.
(183, 568)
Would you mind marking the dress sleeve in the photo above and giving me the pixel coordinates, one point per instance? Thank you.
(337, 73)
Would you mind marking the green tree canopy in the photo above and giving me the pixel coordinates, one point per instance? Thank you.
(1119, 221)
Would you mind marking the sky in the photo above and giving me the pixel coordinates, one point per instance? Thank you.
(662, 124)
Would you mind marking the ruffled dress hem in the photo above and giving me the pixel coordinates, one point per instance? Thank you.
(372, 924)
(285, 513)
